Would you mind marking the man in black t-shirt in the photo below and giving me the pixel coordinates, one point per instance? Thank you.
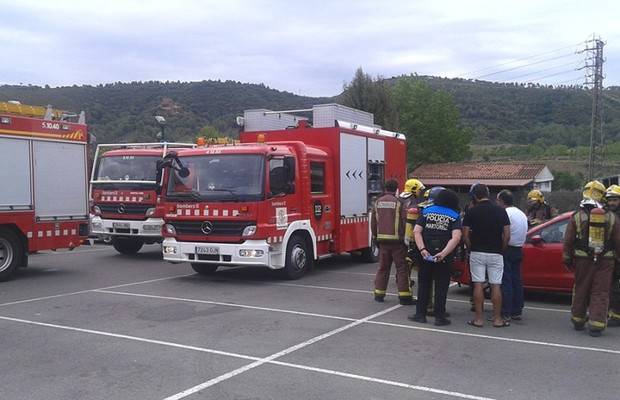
(486, 232)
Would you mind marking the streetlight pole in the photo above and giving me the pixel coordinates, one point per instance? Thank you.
(162, 124)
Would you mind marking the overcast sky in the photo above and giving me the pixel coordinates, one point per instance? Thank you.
(309, 48)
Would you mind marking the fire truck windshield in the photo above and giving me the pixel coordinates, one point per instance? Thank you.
(127, 168)
(221, 177)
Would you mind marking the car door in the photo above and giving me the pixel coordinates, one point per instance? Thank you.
(542, 266)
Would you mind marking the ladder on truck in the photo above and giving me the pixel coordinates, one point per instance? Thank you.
(47, 113)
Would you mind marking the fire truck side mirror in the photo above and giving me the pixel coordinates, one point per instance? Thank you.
(183, 172)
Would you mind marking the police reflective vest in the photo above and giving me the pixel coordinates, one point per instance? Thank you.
(388, 219)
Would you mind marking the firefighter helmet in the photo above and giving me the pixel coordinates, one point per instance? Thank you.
(536, 195)
(612, 191)
(414, 186)
(426, 193)
(594, 190)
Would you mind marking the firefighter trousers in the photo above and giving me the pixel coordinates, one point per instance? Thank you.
(591, 291)
(392, 253)
(614, 298)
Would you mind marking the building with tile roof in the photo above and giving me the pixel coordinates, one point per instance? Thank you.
(496, 175)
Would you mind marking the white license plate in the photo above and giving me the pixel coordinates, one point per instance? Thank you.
(212, 251)
(120, 225)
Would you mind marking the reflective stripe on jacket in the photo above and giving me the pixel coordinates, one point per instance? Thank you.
(388, 219)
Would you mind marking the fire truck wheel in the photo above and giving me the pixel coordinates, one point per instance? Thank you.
(11, 253)
(127, 246)
(370, 254)
(298, 259)
(204, 269)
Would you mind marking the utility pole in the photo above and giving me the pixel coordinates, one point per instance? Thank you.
(594, 81)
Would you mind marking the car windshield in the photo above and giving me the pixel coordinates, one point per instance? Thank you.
(127, 168)
(221, 177)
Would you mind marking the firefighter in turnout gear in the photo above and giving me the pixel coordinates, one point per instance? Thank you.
(612, 197)
(538, 211)
(388, 230)
(591, 246)
(410, 198)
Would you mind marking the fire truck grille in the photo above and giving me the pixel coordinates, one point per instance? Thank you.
(133, 209)
(218, 228)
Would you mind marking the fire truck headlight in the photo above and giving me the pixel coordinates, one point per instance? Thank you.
(150, 212)
(97, 226)
(249, 231)
(170, 230)
(251, 253)
(96, 210)
(170, 250)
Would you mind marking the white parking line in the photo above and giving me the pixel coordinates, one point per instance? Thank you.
(219, 303)
(505, 339)
(394, 294)
(414, 327)
(246, 357)
(382, 381)
(91, 290)
(274, 356)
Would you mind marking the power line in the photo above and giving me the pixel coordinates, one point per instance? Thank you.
(552, 75)
(522, 59)
(526, 65)
(544, 70)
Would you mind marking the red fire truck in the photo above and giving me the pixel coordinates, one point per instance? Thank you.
(288, 195)
(123, 194)
(43, 163)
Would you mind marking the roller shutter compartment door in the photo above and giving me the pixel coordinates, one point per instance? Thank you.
(15, 174)
(60, 180)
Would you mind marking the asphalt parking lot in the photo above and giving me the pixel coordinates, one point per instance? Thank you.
(92, 324)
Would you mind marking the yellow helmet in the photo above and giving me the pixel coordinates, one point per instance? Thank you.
(536, 195)
(414, 186)
(612, 191)
(594, 190)
(426, 193)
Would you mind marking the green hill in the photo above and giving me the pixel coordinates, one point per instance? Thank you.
(498, 113)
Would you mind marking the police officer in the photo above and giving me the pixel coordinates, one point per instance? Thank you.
(388, 230)
(538, 211)
(591, 244)
(612, 196)
(437, 234)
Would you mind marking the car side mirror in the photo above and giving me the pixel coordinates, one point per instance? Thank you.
(536, 240)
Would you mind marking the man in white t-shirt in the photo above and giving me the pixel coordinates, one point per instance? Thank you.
(512, 286)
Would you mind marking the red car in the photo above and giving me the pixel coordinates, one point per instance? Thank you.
(542, 268)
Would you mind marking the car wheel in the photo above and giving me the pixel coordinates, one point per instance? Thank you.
(370, 254)
(11, 253)
(204, 269)
(299, 259)
(127, 246)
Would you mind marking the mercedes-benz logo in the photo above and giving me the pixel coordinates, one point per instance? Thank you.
(206, 227)
(121, 209)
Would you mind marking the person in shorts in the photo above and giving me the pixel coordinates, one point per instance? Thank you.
(486, 232)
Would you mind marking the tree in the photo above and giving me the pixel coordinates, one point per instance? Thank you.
(430, 120)
(371, 95)
(209, 131)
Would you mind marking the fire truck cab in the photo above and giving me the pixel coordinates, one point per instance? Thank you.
(287, 195)
(43, 163)
(123, 194)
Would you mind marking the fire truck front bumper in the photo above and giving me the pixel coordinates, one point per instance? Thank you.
(249, 253)
(151, 227)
